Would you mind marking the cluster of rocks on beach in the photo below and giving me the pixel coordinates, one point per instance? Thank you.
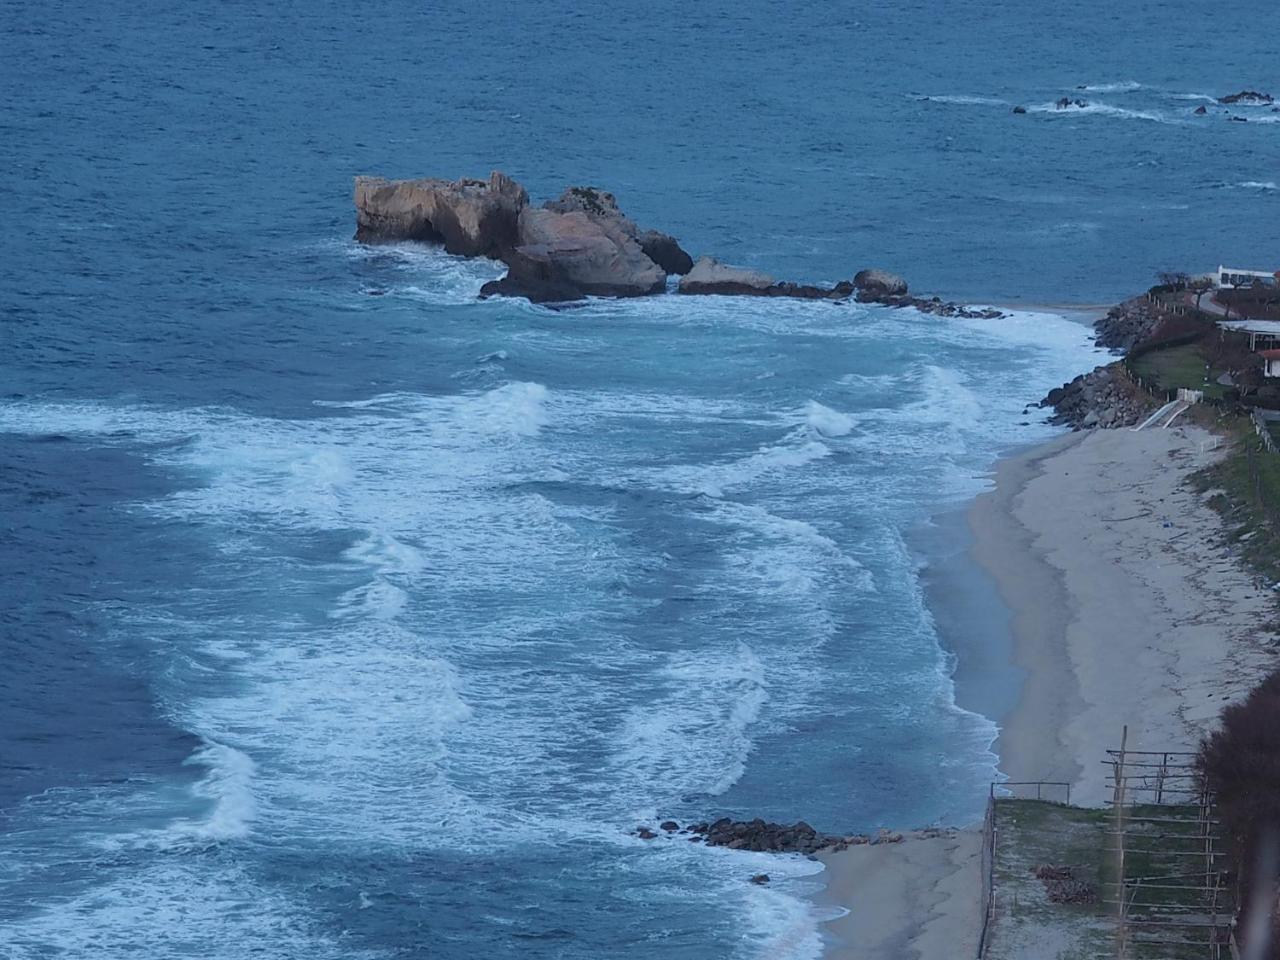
(762, 836)
(1104, 397)
(581, 245)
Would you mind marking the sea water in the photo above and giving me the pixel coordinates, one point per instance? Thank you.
(348, 616)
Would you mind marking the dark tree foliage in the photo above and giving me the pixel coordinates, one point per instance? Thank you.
(1240, 765)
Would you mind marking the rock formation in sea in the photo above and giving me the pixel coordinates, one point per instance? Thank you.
(582, 245)
(472, 218)
(767, 837)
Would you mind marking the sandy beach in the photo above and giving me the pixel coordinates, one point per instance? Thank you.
(1127, 609)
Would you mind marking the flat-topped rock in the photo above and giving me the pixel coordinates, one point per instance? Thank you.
(709, 275)
(469, 217)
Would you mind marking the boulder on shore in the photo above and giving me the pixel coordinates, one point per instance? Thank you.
(661, 248)
(567, 256)
(472, 218)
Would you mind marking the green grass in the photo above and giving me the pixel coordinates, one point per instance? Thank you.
(1247, 482)
(1178, 367)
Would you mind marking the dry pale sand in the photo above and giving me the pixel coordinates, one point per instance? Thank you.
(1127, 609)
(921, 898)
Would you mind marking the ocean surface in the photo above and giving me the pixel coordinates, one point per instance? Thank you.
(346, 616)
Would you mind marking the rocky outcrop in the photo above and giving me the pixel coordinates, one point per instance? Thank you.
(1250, 98)
(601, 205)
(472, 218)
(1105, 397)
(877, 285)
(1128, 324)
(1067, 103)
(566, 256)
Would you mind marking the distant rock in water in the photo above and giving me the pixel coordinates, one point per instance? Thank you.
(472, 218)
(581, 245)
(1249, 98)
(1201, 110)
(1019, 109)
(1066, 103)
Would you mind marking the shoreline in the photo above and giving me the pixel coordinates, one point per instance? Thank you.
(1125, 607)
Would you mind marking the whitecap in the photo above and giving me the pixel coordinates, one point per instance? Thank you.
(827, 422)
(1124, 86)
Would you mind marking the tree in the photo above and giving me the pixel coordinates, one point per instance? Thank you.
(1200, 286)
(1174, 280)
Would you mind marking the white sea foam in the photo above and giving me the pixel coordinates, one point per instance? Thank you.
(1124, 86)
(827, 422)
(228, 786)
(965, 100)
(1257, 185)
(1101, 110)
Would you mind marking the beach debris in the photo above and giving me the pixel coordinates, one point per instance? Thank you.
(760, 878)
(1063, 885)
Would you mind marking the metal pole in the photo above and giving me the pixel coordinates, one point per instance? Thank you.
(1119, 806)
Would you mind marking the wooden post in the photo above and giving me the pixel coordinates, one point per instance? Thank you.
(1118, 803)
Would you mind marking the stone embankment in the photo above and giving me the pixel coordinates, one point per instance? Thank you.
(1105, 397)
(582, 245)
(1129, 323)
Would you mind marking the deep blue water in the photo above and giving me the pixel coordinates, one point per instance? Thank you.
(359, 626)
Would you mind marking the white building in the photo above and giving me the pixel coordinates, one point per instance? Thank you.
(1229, 278)
(1264, 340)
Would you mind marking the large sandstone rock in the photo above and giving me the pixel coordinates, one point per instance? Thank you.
(601, 205)
(709, 275)
(879, 284)
(470, 217)
(564, 256)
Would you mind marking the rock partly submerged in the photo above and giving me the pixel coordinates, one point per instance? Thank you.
(711, 277)
(1248, 98)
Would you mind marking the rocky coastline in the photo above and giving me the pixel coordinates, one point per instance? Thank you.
(582, 245)
(761, 836)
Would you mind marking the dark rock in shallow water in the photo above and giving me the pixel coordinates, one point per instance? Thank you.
(470, 217)
(1019, 109)
(669, 825)
(1066, 103)
(644, 833)
(1201, 110)
(757, 835)
(875, 284)
(1248, 98)
(665, 252)
(532, 289)
(760, 878)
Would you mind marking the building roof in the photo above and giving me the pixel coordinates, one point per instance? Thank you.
(1253, 326)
